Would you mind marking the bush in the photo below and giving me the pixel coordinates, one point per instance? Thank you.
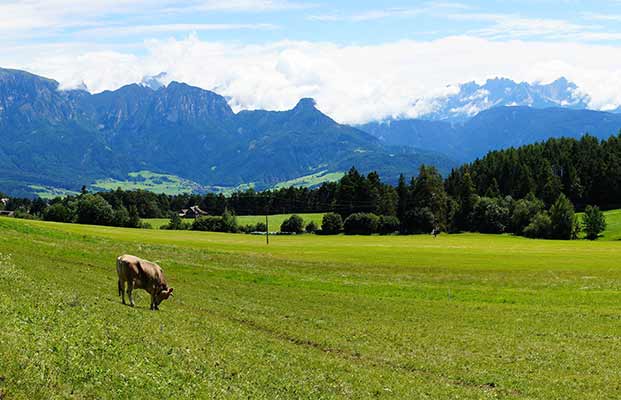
(419, 220)
(361, 224)
(331, 224)
(311, 227)
(388, 224)
(208, 224)
(260, 227)
(176, 223)
(594, 222)
(57, 213)
(562, 217)
(144, 225)
(226, 223)
(540, 227)
(293, 224)
(21, 214)
(247, 228)
(524, 212)
(229, 222)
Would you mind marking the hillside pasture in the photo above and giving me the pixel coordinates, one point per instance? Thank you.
(461, 316)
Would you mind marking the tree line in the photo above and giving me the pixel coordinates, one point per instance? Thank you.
(530, 191)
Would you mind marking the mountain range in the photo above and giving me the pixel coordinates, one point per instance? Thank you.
(472, 98)
(65, 139)
(494, 129)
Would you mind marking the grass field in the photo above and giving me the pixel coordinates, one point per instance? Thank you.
(462, 316)
(274, 220)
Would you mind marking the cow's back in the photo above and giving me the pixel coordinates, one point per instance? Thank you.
(128, 267)
(142, 272)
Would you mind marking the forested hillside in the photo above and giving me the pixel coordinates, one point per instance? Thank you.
(532, 191)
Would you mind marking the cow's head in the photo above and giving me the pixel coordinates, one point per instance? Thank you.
(163, 294)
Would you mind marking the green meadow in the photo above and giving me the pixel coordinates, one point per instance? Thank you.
(613, 222)
(274, 220)
(316, 317)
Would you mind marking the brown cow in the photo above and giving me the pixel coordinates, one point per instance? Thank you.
(142, 274)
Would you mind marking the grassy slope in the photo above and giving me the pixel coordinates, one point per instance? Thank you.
(613, 228)
(311, 180)
(274, 220)
(147, 180)
(463, 316)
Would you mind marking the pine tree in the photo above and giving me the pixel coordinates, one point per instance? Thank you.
(562, 218)
(403, 197)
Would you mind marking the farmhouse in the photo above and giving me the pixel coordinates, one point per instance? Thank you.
(192, 212)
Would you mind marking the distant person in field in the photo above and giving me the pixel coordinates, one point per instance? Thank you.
(435, 232)
(142, 274)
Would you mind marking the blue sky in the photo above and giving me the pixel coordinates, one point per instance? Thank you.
(361, 60)
(130, 22)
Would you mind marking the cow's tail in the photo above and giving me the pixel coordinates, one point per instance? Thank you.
(118, 272)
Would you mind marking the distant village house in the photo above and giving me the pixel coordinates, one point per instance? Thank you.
(192, 212)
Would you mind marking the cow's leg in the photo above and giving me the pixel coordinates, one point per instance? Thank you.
(130, 288)
(122, 290)
(153, 306)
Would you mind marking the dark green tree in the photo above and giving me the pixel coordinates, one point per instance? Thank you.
(93, 209)
(134, 217)
(524, 211)
(293, 224)
(388, 224)
(403, 195)
(428, 192)
(361, 224)
(57, 212)
(562, 218)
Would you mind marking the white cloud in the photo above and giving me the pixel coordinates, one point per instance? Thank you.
(351, 83)
(247, 5)
(429, 8)
(25, 19)
(110, 31)
(370, 15)
(49, 15)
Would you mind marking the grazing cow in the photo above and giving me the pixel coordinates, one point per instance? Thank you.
(142, 274)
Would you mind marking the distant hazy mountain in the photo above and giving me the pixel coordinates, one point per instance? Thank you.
(69, 138)
(496, 128)
(473, 98)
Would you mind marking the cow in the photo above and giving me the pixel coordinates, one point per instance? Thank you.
(142, 274)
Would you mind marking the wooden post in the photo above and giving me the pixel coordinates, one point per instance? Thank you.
(267, 230)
